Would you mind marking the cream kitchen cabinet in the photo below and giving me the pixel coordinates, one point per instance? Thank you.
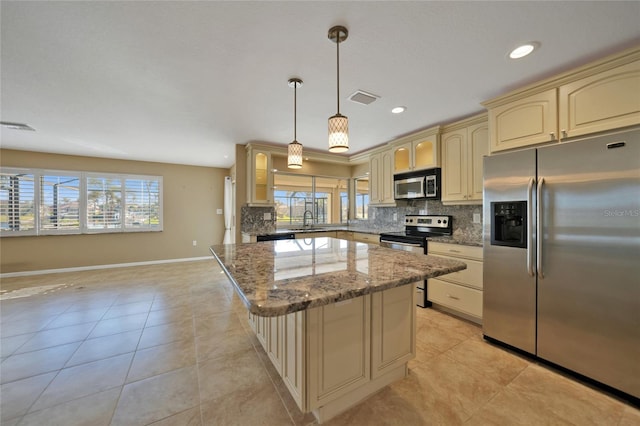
(339, 349)
(528, 121)
(317, 234)
(336, 354)
(598, 97)
(259, 177)
(345, 235)
(363, 237)
(416, 152)
(393, 329)
(608, 100)
(463, 147)
(381, 179)
(461, 291)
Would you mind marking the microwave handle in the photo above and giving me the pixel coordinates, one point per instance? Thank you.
(435, 185)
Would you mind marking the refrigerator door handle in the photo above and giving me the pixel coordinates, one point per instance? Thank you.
(539, 229)
(530, 270)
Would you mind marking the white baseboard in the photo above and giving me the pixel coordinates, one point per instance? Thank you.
(90, 268)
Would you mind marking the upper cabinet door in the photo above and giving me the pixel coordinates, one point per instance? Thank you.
(604, 101)
(454, 165)
(425, 153)
(259, 177)
(478, 147)
(528, 121)
(402, 159)
(420, 153)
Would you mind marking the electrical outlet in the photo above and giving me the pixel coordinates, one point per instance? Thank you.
(423, 212)
(267, 216)
(219, 211)
(395, 217)
(195, 243)
(476, 218)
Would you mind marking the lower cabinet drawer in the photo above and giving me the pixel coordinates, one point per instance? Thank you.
(366, 238)
(472, 276)
(456, 297)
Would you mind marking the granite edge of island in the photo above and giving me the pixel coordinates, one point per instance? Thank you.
(287, 306)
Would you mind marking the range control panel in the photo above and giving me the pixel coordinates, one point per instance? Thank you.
(428, 221)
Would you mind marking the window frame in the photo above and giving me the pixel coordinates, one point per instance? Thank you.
(39, 203)
(313, 198)
(84, 176)
(36, 210)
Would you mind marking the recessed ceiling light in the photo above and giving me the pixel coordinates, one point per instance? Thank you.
(399, 109)
(523, 50)
(16, 126)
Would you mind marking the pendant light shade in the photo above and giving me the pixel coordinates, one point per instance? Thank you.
(295, 155)
(294, 152)
(338, 133)
(338, 124)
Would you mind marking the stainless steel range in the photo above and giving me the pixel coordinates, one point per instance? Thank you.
(414, 238)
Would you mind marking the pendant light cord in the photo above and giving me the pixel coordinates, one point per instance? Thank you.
(338, 69)
(295, 110)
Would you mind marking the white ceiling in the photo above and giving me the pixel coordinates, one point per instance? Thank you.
(182, 82)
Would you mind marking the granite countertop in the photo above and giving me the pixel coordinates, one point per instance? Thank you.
(462, 239)
(301, 230)
(456, 240)
(279, 277)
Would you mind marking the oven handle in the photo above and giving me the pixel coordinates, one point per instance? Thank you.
(401, 244)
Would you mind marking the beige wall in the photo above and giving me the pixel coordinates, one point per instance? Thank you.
(191, 196)
(359, 170)
(312, 168)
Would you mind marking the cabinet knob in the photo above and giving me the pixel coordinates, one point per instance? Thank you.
(564, 133)
(553, 136)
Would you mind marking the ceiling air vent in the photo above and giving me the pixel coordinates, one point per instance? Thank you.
(363, 98)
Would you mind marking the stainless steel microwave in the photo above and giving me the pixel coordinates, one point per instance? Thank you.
(423, 184)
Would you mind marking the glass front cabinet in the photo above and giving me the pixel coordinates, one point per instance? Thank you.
(259, 177)
(417, 152)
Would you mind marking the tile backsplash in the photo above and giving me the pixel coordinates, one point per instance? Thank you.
(252, 219)
(382, 218)
(463, 226)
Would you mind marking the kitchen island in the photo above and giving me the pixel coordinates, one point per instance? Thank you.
(336, 317)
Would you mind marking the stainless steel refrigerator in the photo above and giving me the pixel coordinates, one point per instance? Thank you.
(562, 255)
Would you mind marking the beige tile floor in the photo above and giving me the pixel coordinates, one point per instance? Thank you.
(170, 345)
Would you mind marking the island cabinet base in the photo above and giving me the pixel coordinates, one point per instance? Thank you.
(334, 356)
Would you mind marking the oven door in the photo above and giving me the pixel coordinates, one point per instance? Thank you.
(421, 286)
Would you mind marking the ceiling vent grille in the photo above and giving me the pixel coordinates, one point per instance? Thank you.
(364, 98)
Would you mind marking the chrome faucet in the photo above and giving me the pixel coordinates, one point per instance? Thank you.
(304, 218)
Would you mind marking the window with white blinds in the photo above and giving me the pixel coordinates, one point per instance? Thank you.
(142, 201)
(59, 203)
(44, 202)
(104, 202)
(17, 202)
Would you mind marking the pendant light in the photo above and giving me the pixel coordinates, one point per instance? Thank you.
(338, 124)
(294, 157)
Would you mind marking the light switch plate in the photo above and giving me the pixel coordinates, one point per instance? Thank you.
(476, 218)
(267, 216)
(219, 211)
